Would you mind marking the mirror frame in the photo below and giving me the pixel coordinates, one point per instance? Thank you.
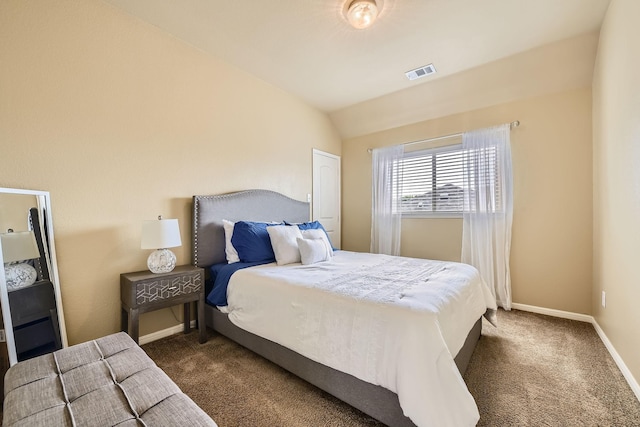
(44, 204)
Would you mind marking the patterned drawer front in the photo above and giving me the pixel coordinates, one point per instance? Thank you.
(162, 288)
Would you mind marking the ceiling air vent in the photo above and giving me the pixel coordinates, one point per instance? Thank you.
(420, 72)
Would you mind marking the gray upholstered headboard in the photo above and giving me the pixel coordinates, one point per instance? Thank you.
(250, 205)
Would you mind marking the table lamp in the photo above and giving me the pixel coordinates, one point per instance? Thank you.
(161, 234)
(19, 246)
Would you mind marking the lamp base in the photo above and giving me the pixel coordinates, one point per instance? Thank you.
(161, 261)
(19, 275)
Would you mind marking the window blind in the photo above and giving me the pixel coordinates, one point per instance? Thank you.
(431, 182)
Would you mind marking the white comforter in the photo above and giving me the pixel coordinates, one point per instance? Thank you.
(390, 321)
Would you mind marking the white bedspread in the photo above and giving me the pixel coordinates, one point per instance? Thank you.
(390, 321)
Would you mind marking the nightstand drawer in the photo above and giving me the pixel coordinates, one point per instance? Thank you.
(144, 288)
(167, 288)
(32, 303)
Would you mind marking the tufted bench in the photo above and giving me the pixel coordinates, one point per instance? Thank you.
(106, 382)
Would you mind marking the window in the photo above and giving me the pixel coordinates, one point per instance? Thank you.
(430, 183)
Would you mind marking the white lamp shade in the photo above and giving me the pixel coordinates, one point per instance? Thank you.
(160, 234)
(19, 246)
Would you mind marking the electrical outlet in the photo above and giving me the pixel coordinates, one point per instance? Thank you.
(604, 299)
(309, 197)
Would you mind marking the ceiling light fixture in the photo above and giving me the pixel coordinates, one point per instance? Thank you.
(362, 13)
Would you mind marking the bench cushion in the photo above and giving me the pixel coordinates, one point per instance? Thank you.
(104, 382)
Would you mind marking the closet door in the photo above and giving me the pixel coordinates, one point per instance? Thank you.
(326, 193)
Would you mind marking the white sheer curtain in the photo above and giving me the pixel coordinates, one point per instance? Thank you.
(385, 220)
(488, 208)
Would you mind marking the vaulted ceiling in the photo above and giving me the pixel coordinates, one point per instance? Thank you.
(307, 48)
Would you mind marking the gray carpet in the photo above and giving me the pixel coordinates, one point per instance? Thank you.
(532, 370)
(536, 370)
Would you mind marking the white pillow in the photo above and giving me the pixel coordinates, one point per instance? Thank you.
(314, 233)
(314, 250)
(284, 244)
(229, 250)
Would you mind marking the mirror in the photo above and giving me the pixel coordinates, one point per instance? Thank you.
(29, 285)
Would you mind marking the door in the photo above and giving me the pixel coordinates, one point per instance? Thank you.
(326, 194)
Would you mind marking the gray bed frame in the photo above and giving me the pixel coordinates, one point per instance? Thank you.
(208, 249)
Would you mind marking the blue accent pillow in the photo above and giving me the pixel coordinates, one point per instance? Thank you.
(315, 225)
(252, 241)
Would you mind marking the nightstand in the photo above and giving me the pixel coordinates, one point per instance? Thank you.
(145, 291)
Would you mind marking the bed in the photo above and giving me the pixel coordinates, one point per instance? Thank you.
(393, 378)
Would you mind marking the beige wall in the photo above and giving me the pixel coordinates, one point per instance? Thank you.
(552, 227)
(121, 122)
(616, 147)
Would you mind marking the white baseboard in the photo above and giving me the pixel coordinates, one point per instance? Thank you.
(633, 383)
(616, 357)
(154, 336)
(555, 313)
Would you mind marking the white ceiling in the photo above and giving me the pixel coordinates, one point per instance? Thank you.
(306, 48)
